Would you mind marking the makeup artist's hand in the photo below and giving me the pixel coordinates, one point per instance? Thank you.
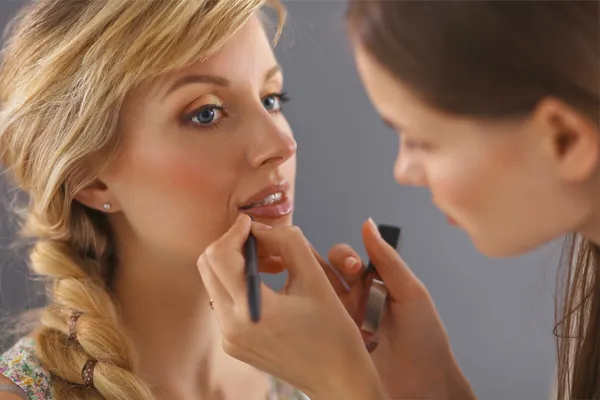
(305, 336)
(414, 358)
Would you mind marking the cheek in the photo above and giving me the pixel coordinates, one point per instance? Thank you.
(181, 173)
(177, 199)
(491, 194)
(476, 188)
(189, 185)
(477, 176)
(458, 187)
(185, 173)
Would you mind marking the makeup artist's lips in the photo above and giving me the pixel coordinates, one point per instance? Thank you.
(451, 221)
(270, 202)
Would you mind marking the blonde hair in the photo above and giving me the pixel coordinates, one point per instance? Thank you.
(65, 70)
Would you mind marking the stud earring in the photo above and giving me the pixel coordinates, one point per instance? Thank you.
(106, 206)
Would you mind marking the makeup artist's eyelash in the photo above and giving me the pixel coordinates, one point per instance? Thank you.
(210, 116)
(416, 145)
(409, 144)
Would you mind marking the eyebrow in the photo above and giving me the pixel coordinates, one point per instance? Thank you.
(272, 72)
(213, 79)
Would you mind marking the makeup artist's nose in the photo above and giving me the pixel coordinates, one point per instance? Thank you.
(409, 171)
(273, 145)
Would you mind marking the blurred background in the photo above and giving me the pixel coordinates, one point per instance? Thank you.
(498, 313)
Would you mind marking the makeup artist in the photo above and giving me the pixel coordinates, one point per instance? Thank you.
(497, 105)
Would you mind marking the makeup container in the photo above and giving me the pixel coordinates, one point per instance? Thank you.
(374, 298)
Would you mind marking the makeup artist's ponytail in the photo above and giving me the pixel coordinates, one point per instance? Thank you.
(499, 59)
(65, 70)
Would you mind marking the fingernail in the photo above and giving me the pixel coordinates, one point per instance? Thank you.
(374, 227)
(351, 264)
(260, 226)
(241, 215)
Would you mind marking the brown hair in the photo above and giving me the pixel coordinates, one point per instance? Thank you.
(498, 59)
(65, 70)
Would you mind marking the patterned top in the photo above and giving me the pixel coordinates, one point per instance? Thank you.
(20, 365)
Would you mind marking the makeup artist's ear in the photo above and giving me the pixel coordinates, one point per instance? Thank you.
(570, 140)
(98, 197)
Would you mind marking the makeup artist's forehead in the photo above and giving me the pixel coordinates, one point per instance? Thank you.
(396, 102)
(393, 101)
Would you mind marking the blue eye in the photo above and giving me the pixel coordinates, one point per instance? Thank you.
(207, 115)
(273, 101)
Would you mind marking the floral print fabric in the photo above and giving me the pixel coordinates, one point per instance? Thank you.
(20, 366)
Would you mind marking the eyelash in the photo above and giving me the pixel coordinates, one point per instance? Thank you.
(281, 96)
(416, 145)
(411, 144)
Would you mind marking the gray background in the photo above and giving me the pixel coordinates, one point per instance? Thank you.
(499, 313)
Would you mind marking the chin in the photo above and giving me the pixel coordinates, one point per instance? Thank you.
(499, 248)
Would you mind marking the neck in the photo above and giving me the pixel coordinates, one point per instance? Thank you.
(175, 332)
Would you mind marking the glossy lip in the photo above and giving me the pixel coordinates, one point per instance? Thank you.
(272, 211)
(271, 189)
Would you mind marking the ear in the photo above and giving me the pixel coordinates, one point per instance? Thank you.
(97, 196)
(571, 139)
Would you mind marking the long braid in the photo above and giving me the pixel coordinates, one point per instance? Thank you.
(75, 271)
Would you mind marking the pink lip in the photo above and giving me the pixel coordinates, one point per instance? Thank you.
(272, 211)
(277, 210)
(451, 221)
(271, 189)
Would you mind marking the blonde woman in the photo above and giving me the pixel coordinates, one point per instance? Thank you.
(138, 129)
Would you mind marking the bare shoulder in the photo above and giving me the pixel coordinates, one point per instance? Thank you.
(9, 390)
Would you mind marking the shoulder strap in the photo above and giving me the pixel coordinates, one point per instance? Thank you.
(14, 389)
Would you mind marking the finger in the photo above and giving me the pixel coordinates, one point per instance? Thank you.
(347, 261)
(337, 280)
(215, 289)
(261, 251)
(295, 251)
(227, 261)
(271, 303)
(260, 226)
(228, 266)
(239, 331)
(236, 235)
(397, 276)
(270, 265)
(232, 318)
